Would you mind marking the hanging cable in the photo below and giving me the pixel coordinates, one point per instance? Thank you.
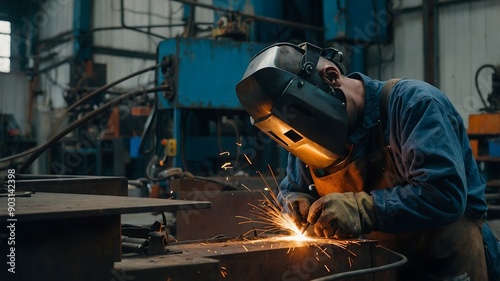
(365, 271)
(99, 90)
(82, 121)
(486, 107)
(79, 102)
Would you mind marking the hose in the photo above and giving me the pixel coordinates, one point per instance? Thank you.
(79, 102)
(100, 90)
(486, 107)
(82, 121)
(365, 271)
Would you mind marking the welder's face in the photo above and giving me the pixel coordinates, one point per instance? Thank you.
(299, 115)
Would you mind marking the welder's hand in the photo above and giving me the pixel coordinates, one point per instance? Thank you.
(342, 215)
(296, 205)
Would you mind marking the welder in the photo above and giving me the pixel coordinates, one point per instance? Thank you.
(383, 160)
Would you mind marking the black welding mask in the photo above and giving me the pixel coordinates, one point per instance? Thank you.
(288, 100)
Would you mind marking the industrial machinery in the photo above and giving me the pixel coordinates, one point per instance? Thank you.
(484, 134)
(199, 119)
(11, 139)
(356, 21)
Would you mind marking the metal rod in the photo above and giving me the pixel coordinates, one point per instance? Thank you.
(365, 271)
(429, 15)
(255, 17)
(56, 38)
(305, 228)
(83, 120)
(52, 66)
(122, 17)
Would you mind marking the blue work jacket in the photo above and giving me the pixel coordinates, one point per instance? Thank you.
(431, 152)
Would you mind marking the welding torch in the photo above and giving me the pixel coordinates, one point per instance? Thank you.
(305, 228)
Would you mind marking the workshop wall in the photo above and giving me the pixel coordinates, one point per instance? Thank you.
(109, 44)
(403, 57)
(14, 97)
(54, 17)
(469, 38)
(51, 24)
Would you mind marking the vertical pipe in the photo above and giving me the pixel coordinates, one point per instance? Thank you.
(431, 42)
(357, 63)
(82, 14)
(436, 45)
(177, 136)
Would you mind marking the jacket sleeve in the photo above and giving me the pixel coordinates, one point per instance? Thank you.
(425, 135)
(297, 179)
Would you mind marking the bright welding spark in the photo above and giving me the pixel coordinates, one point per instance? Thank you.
(245, 248)
(246, 187)
(238, 144)
(327, 268)
(324, 252)
(225, 153)
(223, 272)
(248, 159)
(243, 217)
(270, 215)
(226, 165)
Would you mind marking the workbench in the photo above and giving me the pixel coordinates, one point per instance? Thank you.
(74, 237)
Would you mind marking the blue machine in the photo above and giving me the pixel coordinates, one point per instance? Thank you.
(356, 21)
(206, 125)
(206, 71)
(259, 31)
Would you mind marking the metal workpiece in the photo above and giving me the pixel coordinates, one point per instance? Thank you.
(227, 204)
(272, 258)
(60, 236)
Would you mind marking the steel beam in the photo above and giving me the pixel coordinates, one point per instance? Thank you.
(82, 15)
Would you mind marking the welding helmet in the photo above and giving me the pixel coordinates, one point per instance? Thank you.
(288, 100)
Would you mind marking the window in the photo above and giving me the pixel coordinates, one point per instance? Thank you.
(4, 46)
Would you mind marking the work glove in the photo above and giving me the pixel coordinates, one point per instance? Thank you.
(296, 205)
(342, 215)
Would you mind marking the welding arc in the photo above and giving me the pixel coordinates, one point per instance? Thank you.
(82, 121)
(79, 102)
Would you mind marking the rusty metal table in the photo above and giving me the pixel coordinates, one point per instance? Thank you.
(62, 236)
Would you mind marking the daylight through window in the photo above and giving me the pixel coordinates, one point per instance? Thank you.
(4, 46)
